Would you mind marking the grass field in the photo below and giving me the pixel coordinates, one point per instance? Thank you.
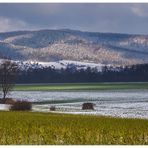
(58, 129)
(79, 86)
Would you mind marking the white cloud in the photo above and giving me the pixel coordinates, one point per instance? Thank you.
(140, 10)
(7, 24)
(123, 18)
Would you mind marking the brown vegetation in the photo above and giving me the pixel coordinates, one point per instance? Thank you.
(7, 101)
(86, 106)
(52, 108)
(21, 106)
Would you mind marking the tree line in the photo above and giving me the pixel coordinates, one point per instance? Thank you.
(11, 74)
(134, 73)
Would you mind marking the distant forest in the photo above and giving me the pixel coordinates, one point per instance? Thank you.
(134, 73)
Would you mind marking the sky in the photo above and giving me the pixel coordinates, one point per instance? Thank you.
(92, 17)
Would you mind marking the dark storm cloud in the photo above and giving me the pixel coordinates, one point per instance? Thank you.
(123, 18)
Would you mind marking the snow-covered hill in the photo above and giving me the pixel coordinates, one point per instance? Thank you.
(70, 45)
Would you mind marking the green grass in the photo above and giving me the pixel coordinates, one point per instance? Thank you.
(47, 128)
(80, 86)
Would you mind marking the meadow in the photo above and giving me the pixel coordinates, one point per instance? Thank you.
(59, 129)
(36, 128)
(79, 86)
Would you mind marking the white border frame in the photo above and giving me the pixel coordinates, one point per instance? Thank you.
(73, 1)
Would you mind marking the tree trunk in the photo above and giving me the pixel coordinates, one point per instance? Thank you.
(4, 95)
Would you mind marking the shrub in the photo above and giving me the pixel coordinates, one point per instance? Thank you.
(87, 106)
(2, 101)
(7, 101)
(52, 108)
(21, 106)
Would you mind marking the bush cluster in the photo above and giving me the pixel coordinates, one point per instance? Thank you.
(86, 106)
(7, 101)
(52, 108)
(21, 106)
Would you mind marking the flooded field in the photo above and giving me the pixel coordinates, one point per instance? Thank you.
(122, 103)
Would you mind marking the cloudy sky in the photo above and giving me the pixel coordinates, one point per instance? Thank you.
(116, 18)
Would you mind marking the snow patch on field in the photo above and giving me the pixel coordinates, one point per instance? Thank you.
(4, 107)
(116, 103)
(124, 110)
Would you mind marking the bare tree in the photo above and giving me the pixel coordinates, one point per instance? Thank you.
(8, 73)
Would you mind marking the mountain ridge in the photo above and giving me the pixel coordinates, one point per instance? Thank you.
(66, 44)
